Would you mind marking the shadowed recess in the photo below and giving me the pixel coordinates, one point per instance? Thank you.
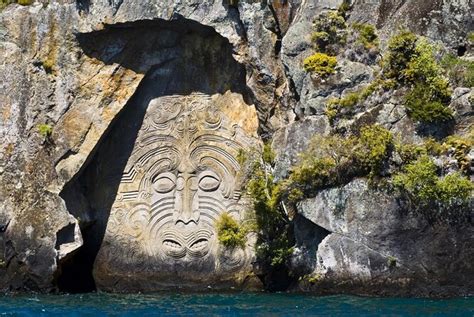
(178, 57)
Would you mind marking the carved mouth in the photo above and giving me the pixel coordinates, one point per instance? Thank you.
(174, 248)
(196, 243)
(199, 248)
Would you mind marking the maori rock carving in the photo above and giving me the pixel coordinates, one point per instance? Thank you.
(182, 174)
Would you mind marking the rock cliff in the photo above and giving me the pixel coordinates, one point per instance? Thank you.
(131, 127)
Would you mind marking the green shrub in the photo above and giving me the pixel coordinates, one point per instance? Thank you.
(410, 61)
(351, 99)
(445, 198)
(423, 105)
(367, 35)
(462, 147)
(459, 71)
(401, 49)
(409, 152)
(433, 147)
(329, 31)
(268, 154)
(421, 65)
(317, 165)
(374, 147)
(230, 233)
(344, 8)
(314, 173)
(45, 130)
(4, 3)
(419, 179)
(391, 261)
(273, 247)
(470, 38)
(454, 189)
(321, 64)
(334, 159)
(348, 101)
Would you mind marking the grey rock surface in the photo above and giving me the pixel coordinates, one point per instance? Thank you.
(376, 246)
(73, 68)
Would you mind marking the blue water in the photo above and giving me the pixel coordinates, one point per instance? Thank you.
(248, 304)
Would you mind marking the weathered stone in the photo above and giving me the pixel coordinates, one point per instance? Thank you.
(181, 175)
(82, 67)
(292, 140)
(316, 92)
(377, 247)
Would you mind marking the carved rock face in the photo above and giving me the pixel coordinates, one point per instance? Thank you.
(182, 174)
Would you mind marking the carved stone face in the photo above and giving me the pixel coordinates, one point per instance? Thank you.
(183, 173)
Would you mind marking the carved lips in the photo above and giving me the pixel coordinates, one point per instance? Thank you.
(195, 244)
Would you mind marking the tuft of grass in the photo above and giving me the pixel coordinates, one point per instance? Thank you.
(45, 130)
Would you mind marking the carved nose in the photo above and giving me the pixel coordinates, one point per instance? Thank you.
(188, 217)
(188, 209)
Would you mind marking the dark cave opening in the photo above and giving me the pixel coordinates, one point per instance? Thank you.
(461, 50)
(175, 57)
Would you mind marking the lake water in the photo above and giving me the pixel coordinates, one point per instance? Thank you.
(248, 304)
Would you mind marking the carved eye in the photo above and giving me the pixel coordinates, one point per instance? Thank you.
(164, 183)
(209, 183)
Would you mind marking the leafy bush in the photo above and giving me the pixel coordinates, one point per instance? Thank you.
(313, 173)
(374, 147)
(329, 31)
(454, 189)
(353, 98)
(409, 152)
(344, 8)
(321, 64)
(349, 100)
(230, 233)
(401, 49)
(410, 61)
(273, 247)
(445, 198)
(367, 35)
(419, 179)
(268, 155)
(423, 106)
(462, 147)
(322, 164)
(459, 71)
(333, 160)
